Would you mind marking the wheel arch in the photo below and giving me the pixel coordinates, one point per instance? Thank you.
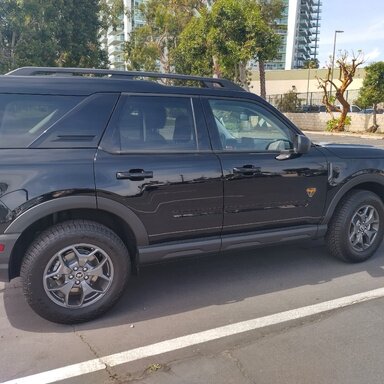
(368, 182)
(113, 215)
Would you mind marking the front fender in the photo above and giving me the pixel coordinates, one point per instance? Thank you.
(375, 178)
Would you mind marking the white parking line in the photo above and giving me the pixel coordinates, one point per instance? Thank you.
(193, 339)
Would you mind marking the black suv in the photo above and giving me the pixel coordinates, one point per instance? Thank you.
(101, 171)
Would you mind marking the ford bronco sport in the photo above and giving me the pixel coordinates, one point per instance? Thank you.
(101, 171)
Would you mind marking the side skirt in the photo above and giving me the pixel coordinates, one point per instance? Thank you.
(165, 251)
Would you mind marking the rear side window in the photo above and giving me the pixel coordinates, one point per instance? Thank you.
(23, 118)
(153, 124)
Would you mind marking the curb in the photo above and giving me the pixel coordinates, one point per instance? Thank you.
(347, 134)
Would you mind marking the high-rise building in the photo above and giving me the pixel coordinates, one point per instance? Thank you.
(302, 42)
(282, 30)
(299, 28)
(113, 40)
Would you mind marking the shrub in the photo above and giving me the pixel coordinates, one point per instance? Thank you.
(333, 123)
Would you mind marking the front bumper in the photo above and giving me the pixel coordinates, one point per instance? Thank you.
(7, 243)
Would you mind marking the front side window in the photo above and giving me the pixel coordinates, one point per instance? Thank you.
(154, 123)
(247, 126)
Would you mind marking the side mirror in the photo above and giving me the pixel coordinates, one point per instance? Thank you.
(302, 144)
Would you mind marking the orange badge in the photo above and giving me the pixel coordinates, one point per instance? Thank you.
(311, 191)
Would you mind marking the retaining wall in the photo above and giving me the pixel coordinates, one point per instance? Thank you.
(318, 121)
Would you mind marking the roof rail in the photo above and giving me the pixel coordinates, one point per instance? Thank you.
(206, 82)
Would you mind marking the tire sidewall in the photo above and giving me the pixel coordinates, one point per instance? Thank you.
(355, 205)
(33, 280)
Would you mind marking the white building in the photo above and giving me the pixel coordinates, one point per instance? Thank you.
(302, 40)
(114, 40)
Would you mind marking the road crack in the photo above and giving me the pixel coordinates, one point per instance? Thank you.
(227, 354)
(111, 375)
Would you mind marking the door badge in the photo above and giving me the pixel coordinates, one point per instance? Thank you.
(311, 191)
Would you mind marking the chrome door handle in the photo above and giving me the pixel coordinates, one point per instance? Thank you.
(134, 174)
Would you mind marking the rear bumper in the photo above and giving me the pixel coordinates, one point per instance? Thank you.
(7, 243)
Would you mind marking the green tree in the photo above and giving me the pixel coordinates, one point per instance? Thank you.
(10, 25)
(78, 34)
(153, 44)
(226, 38)
(230, 36)
(268, 39)
(50, 33)
(193, 54)
(110, 14)
(311, 64)
(289, 102)
(372, 91)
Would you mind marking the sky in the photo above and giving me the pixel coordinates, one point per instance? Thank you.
(363, 24)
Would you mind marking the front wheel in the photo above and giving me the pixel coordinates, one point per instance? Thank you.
(75, 271)
(356, 229)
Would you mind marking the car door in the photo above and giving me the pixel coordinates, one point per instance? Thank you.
(265, 185)
(156, 160)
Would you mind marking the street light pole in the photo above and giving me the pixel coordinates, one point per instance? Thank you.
(333, 58)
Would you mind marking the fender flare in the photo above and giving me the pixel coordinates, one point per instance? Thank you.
(356, 181)
(128, 216)
(80, 202)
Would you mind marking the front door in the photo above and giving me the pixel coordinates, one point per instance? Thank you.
(263, 186)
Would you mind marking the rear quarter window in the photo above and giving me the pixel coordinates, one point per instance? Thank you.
(23, 118)
(82, 126)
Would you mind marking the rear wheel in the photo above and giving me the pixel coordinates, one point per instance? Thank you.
(75, 271)
(356, 229)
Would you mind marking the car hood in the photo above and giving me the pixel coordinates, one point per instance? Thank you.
(354, 151)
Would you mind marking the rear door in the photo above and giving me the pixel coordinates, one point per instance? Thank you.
(156, 160)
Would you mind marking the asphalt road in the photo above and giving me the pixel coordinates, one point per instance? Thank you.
(376, 140)
(180, 298)
(185, 297)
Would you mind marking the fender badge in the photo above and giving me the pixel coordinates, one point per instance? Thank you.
(311, 192)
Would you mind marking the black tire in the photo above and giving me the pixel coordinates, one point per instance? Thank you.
(75, 271)
(351, 235)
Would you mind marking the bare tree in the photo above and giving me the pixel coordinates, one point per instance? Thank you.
(347, 71)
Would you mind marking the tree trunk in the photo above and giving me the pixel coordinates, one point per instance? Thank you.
(216, 67)
(243, 76)
(374, 126)
(345, 109)
(13, 46)
(340, 127)
(263, 92)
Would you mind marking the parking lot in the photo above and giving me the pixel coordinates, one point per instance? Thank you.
(168, 327)
(366, 139)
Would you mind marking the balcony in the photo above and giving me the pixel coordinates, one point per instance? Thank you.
(115, 49)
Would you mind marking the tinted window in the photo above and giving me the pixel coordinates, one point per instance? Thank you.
(154, 123)
(82, 126)
(245, 126)
(25, 117)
